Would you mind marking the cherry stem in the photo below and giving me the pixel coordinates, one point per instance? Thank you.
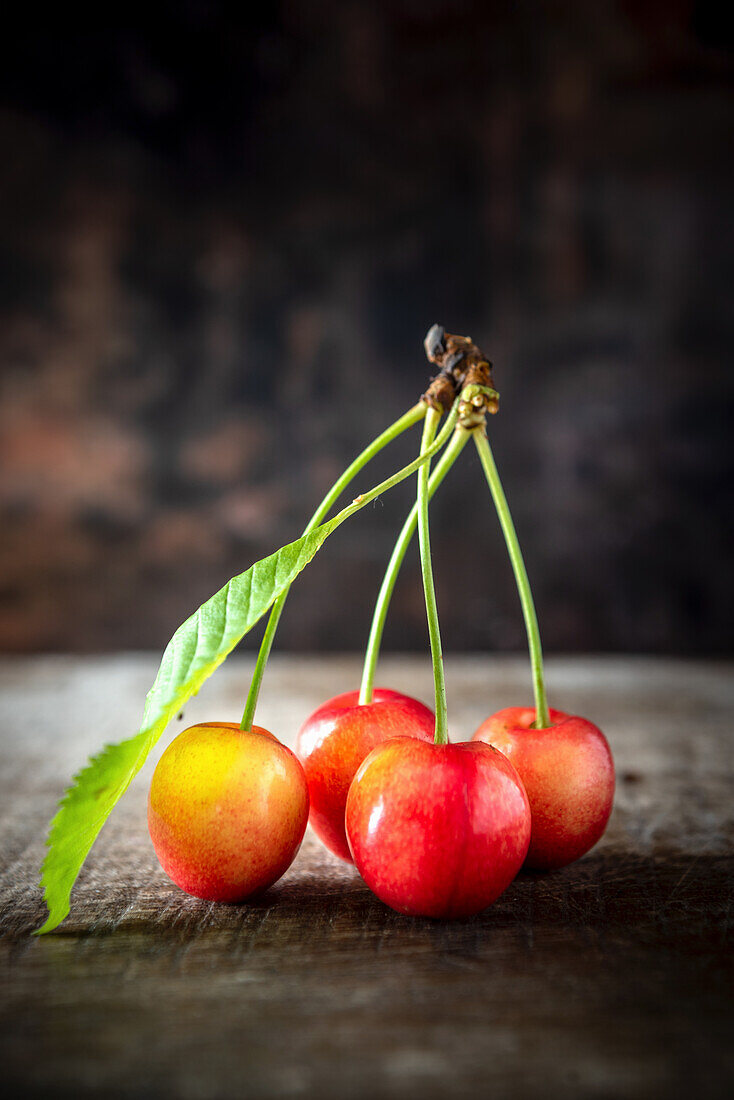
(411, 417)
(382, 604)
(440, 736)
(542, 716)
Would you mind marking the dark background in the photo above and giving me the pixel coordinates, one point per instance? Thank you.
(222, 239)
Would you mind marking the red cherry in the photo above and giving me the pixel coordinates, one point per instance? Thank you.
(568, 772)
(334, 741)
(437, 830)
(227, 810)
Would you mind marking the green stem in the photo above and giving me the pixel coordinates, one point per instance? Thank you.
(423, 459)
(542, 716)
(372, 654)
(411, 417)
(440, 736)
(366, 498)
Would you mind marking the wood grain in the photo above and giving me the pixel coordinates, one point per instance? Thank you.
(610, 978)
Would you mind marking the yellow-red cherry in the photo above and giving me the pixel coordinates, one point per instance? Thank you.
(227, 810)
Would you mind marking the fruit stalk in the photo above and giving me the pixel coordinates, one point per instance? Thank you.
(542, 716)
(441, 731)
(382, 604)
(411, 417)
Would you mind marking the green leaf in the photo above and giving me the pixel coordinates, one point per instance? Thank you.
(196, 649)
(194, 652)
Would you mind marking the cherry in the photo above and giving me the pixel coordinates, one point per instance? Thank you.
(227, 810)
(568, 772)
(334, 741)
(437, 830)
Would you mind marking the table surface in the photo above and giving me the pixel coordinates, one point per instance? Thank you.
(609, 978)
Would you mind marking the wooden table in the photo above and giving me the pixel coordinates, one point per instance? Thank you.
(611, 978)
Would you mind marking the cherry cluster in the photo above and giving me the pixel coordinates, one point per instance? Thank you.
(435, 829)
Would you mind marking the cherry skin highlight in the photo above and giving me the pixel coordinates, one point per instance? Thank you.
(568, 772)
(334, 741)
(227, 810)
(437, 830)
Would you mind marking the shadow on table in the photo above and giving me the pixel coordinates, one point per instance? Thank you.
(324, 901)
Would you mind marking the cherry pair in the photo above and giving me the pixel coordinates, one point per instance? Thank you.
(434, 830)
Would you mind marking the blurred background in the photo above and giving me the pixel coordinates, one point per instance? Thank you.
(222, 239)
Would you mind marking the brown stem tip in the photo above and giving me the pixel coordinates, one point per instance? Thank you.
(460, 363)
